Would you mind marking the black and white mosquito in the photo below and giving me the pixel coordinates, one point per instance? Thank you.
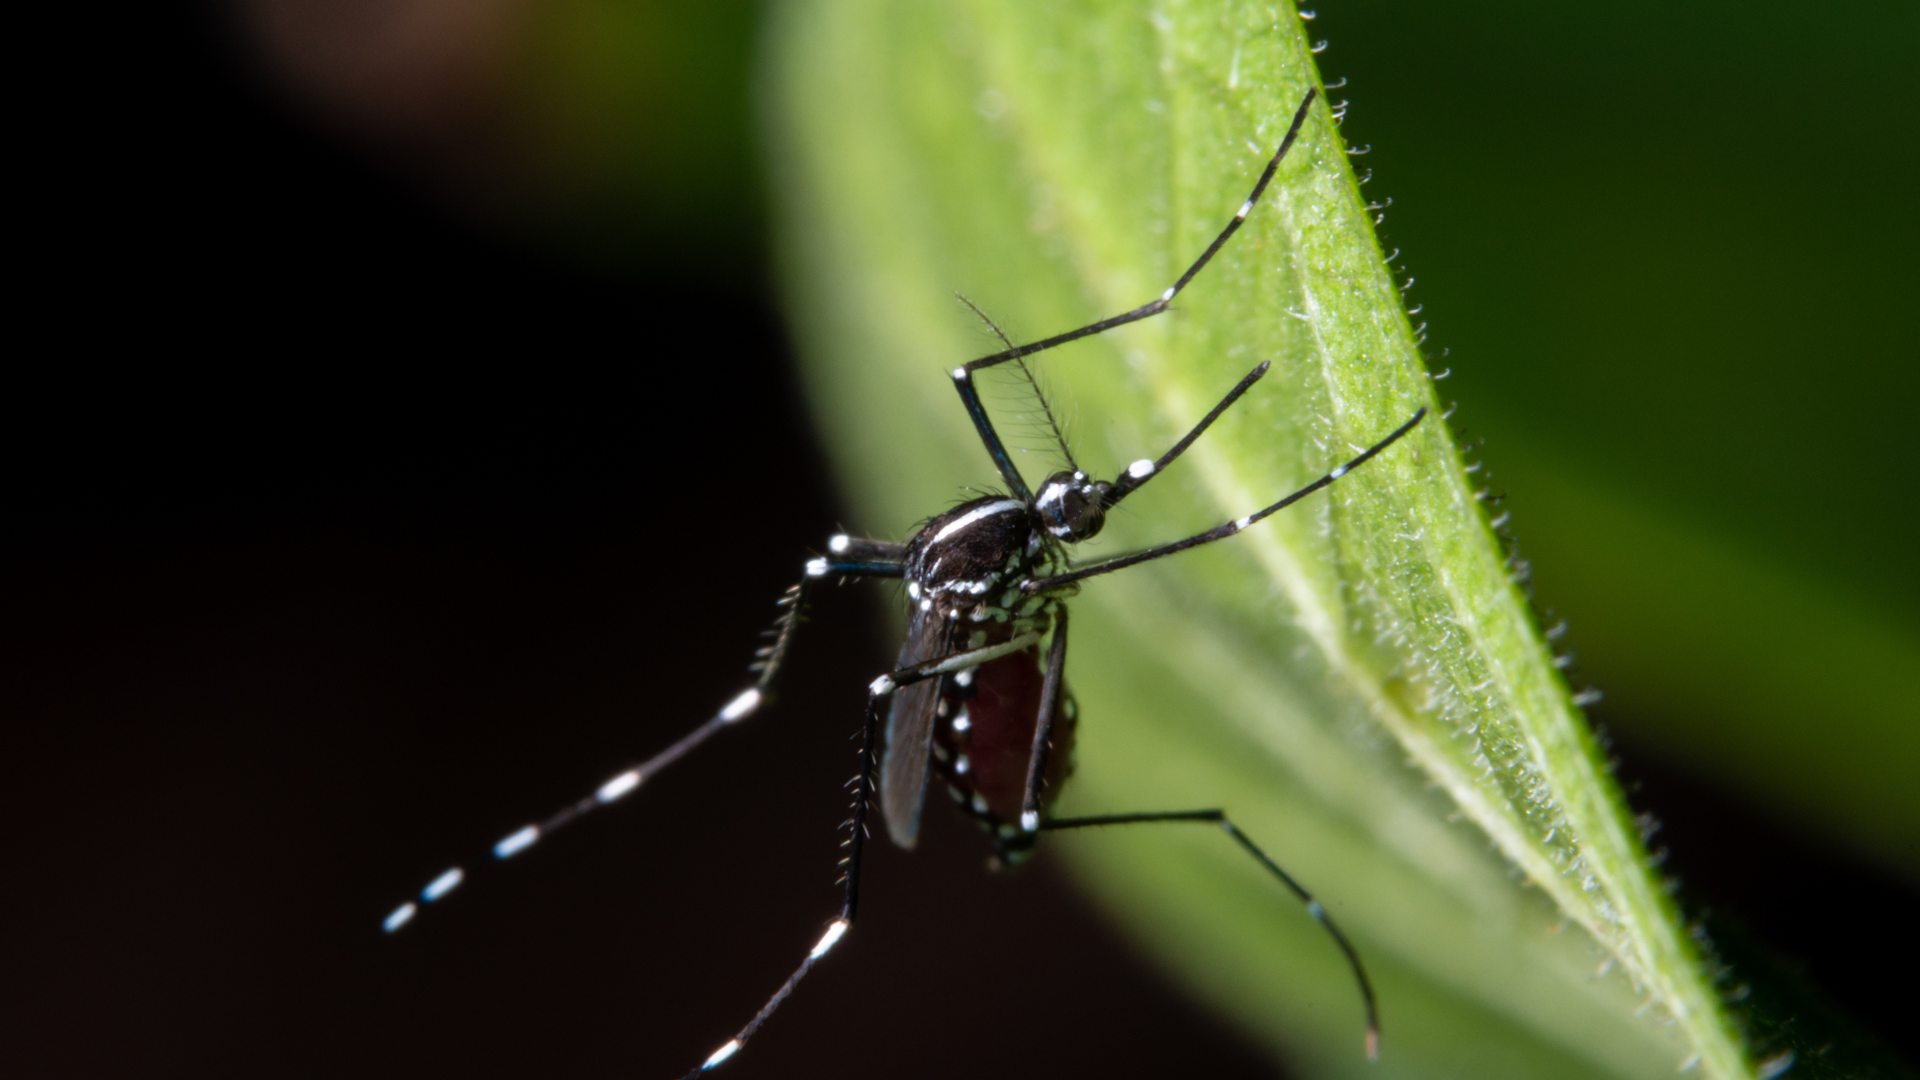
(979, 698)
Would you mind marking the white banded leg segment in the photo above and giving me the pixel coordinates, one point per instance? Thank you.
(744, 704)
(722, 1054)
(856, 557)
(960, 661)
(516, 842)
(400, 917)
(443, 884)
(435, 889)
(741, 707)
(617, 787)
(1307, 900)
(954, 662)
(838, 928)
(829, 939)
(835, 931)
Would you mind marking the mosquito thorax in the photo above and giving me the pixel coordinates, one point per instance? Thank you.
(1071, 506)
(967, 563)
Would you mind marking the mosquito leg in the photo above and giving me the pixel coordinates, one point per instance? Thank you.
(963, 376)
(1043, 729)
(852, 556)
(1218, 532)
(970, 397)
(1141, 471)
(848, 557)
(941, 665)
(856, 846)
(1219, 817)
(1155, 307)
(878, 694)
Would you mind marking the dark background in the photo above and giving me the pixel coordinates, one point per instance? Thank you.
(346, 538)
(347, 535)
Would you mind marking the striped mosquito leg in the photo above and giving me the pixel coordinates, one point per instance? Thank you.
(878, 694)
(881, 690)
(1219, 817)
(743, 705)
(848, 557)
(1146, 469)
(1165, 299)
(1050, 692)
(1035, 586)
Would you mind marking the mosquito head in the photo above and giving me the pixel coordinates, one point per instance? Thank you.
(1070, 506)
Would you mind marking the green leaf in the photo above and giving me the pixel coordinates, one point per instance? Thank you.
(1358, 680)
(1679, 333)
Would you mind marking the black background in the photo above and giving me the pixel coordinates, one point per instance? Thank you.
(345, 538)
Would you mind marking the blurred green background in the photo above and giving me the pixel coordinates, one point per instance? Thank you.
(1668, 248)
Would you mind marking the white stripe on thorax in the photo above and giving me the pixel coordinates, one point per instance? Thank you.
(999, 507)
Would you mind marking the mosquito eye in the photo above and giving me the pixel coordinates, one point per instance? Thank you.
(1070, 507)
(1084, 513)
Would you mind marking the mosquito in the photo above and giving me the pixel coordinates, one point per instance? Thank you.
(979, 698)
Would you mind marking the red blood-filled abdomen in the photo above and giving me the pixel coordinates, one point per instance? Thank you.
(985, 738)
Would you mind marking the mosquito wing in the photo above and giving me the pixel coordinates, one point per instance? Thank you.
(903, 771)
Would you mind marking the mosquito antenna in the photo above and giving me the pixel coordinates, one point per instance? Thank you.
(1053, 425)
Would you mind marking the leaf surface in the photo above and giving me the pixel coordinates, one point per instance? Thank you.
(1358, 680)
